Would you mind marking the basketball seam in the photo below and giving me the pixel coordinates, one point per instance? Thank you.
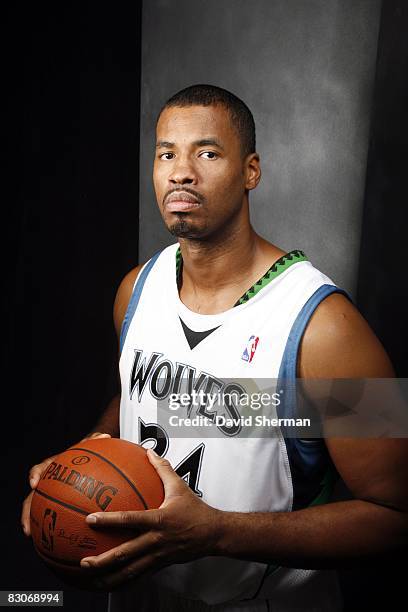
(133, 486)
(61, 503)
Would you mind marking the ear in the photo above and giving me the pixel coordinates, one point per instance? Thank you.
(253, 171)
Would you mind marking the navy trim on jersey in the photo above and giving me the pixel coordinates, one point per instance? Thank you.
(308, 459)
(134, 300)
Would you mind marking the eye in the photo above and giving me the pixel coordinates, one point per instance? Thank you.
(162, 156)
(211, 154)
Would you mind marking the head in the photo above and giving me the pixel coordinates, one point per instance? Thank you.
(205, 162)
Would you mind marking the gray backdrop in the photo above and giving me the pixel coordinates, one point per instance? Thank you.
(306, 71)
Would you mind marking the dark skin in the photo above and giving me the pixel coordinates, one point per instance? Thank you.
(218, 234)
(215, 236)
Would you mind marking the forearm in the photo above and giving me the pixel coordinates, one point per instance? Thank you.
(340, 534)
(109, 420)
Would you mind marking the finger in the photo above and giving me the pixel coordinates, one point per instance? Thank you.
(25, 514)
(36, 471)
(123, 553)
(97, 435)
(172, 482)
(144, 566)
(144, 519)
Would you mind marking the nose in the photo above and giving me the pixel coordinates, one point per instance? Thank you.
(183, 172)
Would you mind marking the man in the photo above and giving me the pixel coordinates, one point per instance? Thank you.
(249, 531)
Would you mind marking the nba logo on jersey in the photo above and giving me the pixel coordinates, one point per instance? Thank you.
(250, 349)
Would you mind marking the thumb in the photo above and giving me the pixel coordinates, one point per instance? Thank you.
(173, 484)
(97, 435)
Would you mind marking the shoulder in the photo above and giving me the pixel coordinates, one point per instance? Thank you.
(123, 296)
(125, 288)
(339, 343)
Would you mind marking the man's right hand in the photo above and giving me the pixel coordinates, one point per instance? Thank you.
(34, 476)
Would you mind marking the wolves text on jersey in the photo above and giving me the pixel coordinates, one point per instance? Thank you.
(163, 378)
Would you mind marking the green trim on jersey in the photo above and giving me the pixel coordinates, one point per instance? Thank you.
(178, 262)
(328, 482)
(282, 264)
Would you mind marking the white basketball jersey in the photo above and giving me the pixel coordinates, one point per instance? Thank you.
(164, 344)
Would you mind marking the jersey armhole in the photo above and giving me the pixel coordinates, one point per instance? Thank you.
(288, 367)
(134, 299)
(307, 454)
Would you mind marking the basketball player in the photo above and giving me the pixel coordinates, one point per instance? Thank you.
(245, 524)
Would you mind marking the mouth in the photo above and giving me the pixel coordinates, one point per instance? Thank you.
(181, 202)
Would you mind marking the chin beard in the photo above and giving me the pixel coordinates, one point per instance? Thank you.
(182, 229)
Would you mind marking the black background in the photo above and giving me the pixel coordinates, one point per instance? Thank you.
(71, 233)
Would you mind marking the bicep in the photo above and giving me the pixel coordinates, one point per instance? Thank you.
(339, 344)
(373, 470)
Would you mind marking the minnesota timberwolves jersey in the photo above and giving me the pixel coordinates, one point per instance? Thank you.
(163, 343)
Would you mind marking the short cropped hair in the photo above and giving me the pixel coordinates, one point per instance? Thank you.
(210, 95)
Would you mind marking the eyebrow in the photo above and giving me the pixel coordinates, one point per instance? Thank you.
(165, 144)
(208, 141)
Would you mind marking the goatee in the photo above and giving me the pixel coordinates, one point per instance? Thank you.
(182, 229)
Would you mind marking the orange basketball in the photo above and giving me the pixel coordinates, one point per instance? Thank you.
(97, 475)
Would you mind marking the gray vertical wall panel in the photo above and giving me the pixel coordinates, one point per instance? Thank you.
(306, 70)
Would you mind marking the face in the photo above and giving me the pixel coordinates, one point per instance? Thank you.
(200, 176)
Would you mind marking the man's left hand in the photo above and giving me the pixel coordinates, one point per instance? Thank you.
(184, 528)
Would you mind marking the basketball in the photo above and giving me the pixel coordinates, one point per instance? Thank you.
(97, 475)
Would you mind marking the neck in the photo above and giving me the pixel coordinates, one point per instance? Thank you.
(218, 270)
(207, 264)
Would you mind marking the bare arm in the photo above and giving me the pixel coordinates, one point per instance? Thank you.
(109, 420)
(338, 343)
